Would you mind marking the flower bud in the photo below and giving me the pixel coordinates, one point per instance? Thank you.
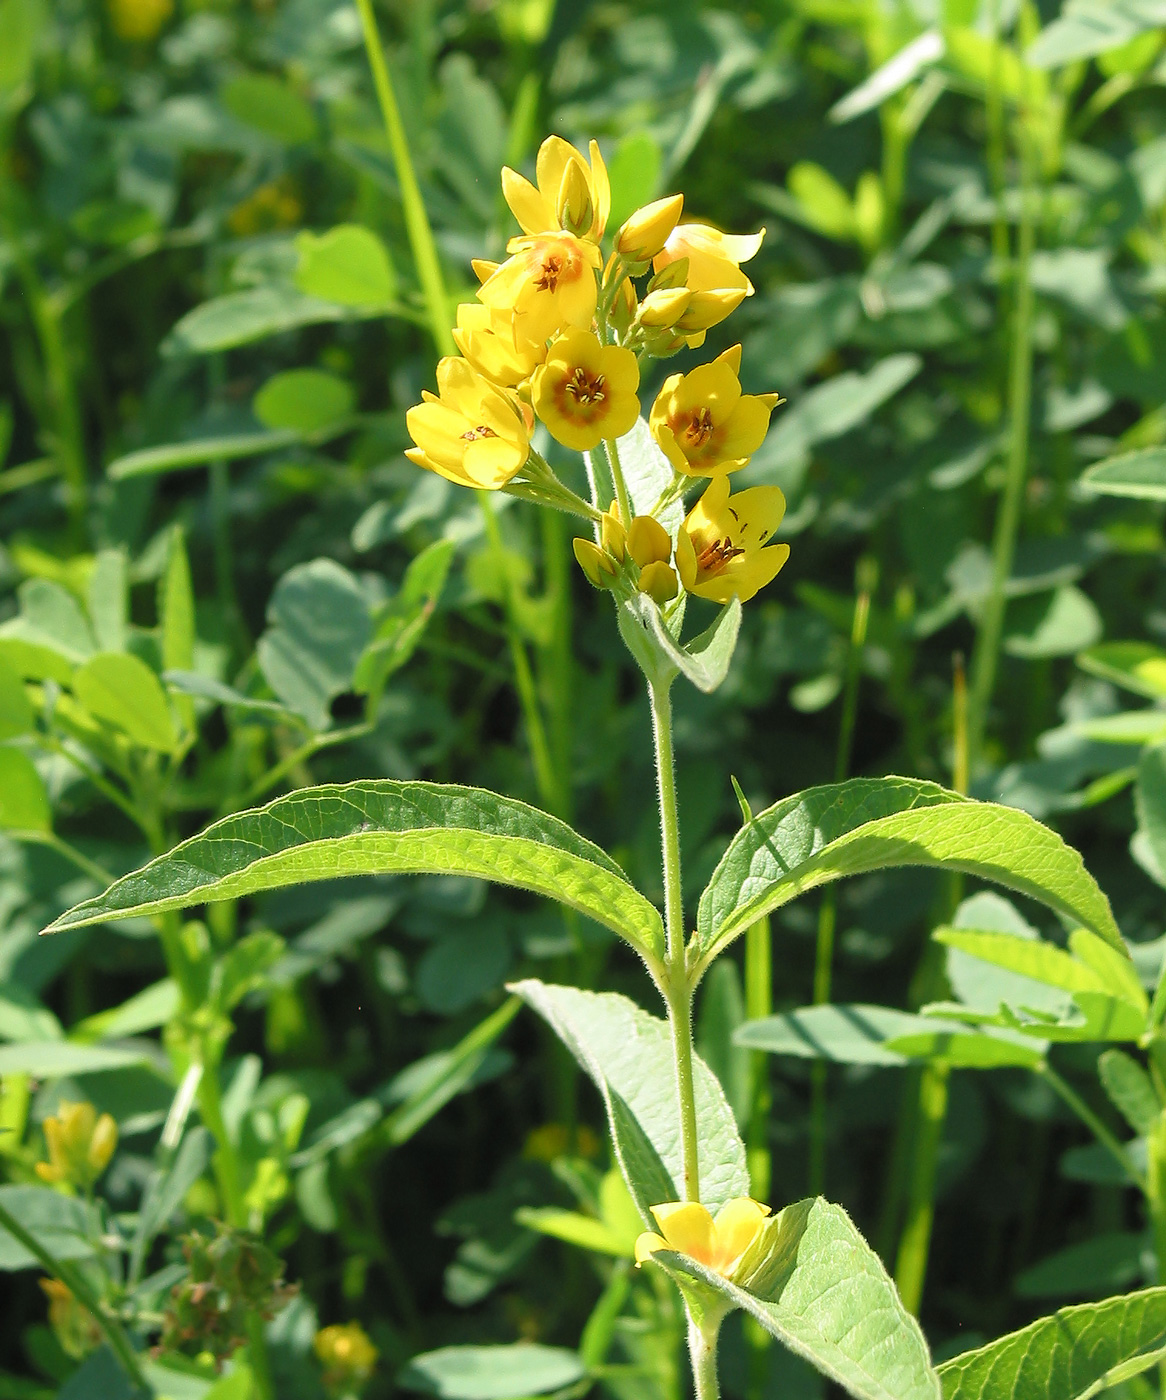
(624, 307)
(673, 274)
(664, 307)
(612, 535)
(648, 541)
(709, 309)
(80, 1145)
(599, 566)
(659, 582)
(74, 1326)
(576, 212)
(646, 231)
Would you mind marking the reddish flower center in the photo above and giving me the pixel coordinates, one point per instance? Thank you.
(715, 555)
(700, 427)
(585, 388)
(549, 273)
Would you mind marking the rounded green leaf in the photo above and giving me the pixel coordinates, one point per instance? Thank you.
(16, 716)
(303, 400)
(123, 691)
(269, 105)
(378, 827)
(492, 1373)
(24, 803)
(349, 264)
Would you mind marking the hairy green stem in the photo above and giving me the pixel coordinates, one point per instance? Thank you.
(986, 654)
(678, 990)
(758, 1005)
(617, 476)
(77, 1284)
(702, 1348)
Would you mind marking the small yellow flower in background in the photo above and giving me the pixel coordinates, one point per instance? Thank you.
(75, 1326)
(139, 21)
(585, 392)
(546, 285)
(717, 1243)
(571, 195)
(553, 1140)
(714, 272)
(347, 1355)
(721, 551)
(471, 432)
(703, 423)
(272, 206)
(650, 546)
(644, 233)
(80, 1145)
(487, 341)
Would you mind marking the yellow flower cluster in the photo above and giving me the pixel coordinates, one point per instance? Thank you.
(560, 333)
(347, 1356)
(80, 1145)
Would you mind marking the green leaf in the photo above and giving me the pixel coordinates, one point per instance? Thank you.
(176, 606)
(20, 23)
(24, 802)
(1062, 1357)
(123, 691)
(50, 618)
(721, 1013)
(173, 456)
(812, 1281)
(1059, 624)
(400, 627)
(16, 713)
(492, 1373)
(890, 78)
(269, 105)
(704, 661)
(571, 1227)
(971, 1049)
(867, 824)
(58, 1059)
(1130, 1090)
(1088, 27)
(648, 474)
(1030, 957)
(109, 600)
(847, 1035)
(1097, 1265)
(238, 318)
(1114, 967)
(827, 206)
(303, 400)
(349, 266)
(1139, 474)
(378, 827)
(167, 1189)
(1150, 802)
(145, 1011)
(242, 968)
(1135, 666)
(62, 1224)
(628, 1054)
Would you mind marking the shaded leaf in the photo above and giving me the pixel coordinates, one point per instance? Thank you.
(492, 1373)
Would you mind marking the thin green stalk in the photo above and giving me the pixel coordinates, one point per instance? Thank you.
(1156, 1199)
(986, 655)
(702, 1347)
(417, 224)
(828, 910)
(69, 439)
(758, 1005)
(678, 990)
(76, 1282)
(64, 848)
(621, 489)
(1078, 1105)
(915, 1243)
(226, 1162)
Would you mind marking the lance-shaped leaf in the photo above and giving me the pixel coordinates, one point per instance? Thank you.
(1072, 1355)
(812, 1281)
(879, 823)
(628, 1054)
(376, 828)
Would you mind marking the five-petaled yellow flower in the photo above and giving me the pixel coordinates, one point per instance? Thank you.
(704, 424)
(716, 1242)
(714, 272)
(547, 284)
(471, 432)
(571, 195)
(487, 341)
(585, 392)
(80, 1144)
(347, 1356)
(721, 550)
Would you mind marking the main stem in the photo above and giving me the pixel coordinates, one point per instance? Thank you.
(678, 992)
(702, 1347)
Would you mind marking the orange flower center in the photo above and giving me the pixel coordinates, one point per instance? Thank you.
(700, 427)
(714, 556)
(585, 388)
(481, 431)
(550, 272)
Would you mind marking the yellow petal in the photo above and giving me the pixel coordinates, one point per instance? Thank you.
(601, 187)
(730, 357)
(737, 1223)
(647, 1244)
(686, 560)
(759, 512)
(533, 212)
(658, 581)
(688, 1228)
(648, 541)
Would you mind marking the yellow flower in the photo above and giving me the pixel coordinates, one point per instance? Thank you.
(650, 546)
(703, 423)
(139, 21)
(554, 1140)
(347, 1356)
(719, 550)
(571, 195)
(487, 341)
(471, 432)
(75, 1326)
(586, 391)
(547, 284)
(644, 233)
(80, 1144)
(714, 271)
(272, 206)
(688, 1228)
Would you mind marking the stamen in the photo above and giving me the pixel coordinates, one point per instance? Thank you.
(713, 557)
(552, 270)
(700, 427)
(481, 431)
(585, 388)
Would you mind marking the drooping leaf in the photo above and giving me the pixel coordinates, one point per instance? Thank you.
(492, 1373)
(377, 827)
(1062, 1357)
(812, 1281)
(1139, 474)
(122, 690)
(880, 823)
(24, 801)
(144, 1011)
(628, 1054)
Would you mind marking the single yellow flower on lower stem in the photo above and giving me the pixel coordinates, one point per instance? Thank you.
(471, 432)
(80, 1144)
(347, 1355)
(702, 421)
(717, 1242)
(721, 549)
(585, 392)
(547, 284)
